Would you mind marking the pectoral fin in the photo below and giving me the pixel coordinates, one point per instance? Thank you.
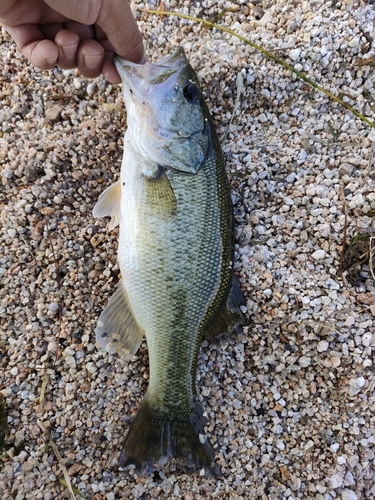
(160, 196)
(108, 204)
(230, 316)
(117, 329)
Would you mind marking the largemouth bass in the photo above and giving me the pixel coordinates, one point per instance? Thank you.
(175, 252)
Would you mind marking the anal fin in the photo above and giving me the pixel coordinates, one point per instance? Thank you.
(230, 316)
(108, 204)
(117, 329)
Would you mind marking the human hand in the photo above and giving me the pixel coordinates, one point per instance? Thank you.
(74, 33)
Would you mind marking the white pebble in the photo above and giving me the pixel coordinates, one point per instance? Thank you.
(77, 83)
(371, 135)
(355, 385)
(304, 361)
(349, 321)
(262, 118)
(322, 346)
(280, 445)
(310, 443)
(334, 447)
(367, 339)
(69, 388)
(336, 480)
(91, 367)
(91, 89)
(278, 429)
(348, 495)
(70, 361)
(294, 54)
(354, 42)
(12, 232)
(236, 404)
(318, 255)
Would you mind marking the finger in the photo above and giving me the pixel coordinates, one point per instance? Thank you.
(67, 43)
(90, 57)
(30, 40)
(109, 69)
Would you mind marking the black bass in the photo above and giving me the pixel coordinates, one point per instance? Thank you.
(173, 206)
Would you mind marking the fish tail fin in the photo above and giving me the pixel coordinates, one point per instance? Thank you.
(154, 437)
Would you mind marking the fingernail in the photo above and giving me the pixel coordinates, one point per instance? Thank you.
(92, 61)
(70, 52)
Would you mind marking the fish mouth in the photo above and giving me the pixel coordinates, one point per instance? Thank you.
(163, 125)
(144, 85)
(139, 78)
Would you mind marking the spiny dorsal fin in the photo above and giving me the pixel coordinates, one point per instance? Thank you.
(117, 330)
(108, 204)
(230, 316)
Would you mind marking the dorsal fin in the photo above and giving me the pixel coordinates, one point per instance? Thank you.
(230, 316)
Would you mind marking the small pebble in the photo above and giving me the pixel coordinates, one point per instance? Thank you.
(304, 361)
(348, 495)
(322, 346)
(318, 255)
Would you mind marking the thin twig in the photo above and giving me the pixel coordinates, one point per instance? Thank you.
(44, 386)
(62, 481)
(371, 256)
(59, 458)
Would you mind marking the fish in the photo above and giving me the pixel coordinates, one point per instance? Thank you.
(173, 207)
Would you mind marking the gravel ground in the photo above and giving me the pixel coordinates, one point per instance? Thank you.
(291, 400)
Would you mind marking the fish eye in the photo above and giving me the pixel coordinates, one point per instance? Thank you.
(191, 92)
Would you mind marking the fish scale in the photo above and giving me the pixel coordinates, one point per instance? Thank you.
(169, 317)
(175, 253)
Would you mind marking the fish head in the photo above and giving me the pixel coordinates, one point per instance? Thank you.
(167, 118)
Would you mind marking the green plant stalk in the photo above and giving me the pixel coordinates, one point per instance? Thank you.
(269, 55)
(62, 481)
